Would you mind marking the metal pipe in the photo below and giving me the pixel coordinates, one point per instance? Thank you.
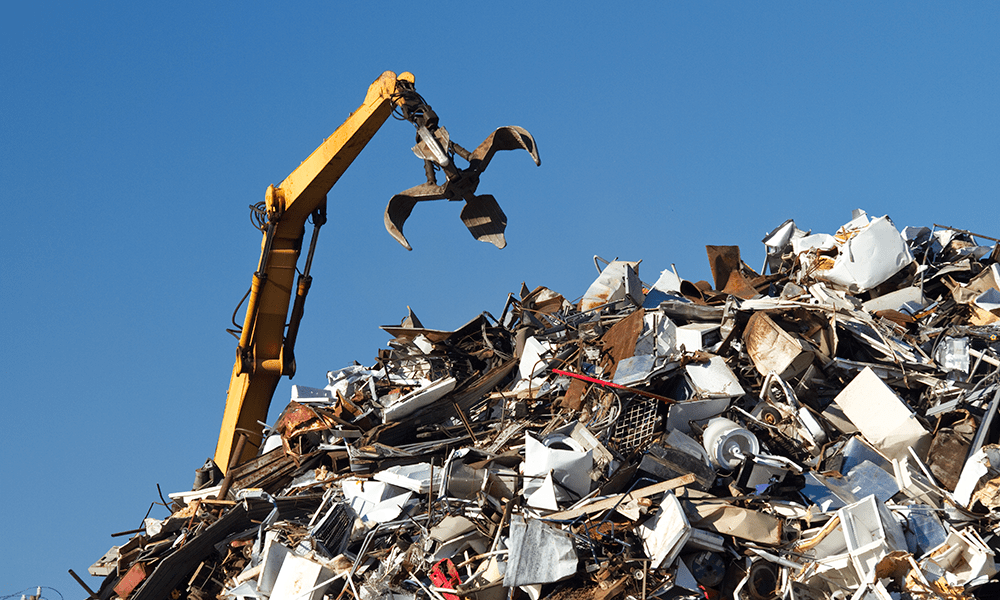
(233, 462)
(985, 237)
(615, 385)
(83, 585)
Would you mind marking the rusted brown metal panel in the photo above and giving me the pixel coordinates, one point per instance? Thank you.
(727, 271)
(619, 341)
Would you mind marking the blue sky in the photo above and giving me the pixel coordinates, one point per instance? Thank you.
(133, 138)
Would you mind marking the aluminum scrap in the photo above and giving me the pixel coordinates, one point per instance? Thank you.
(823, 429)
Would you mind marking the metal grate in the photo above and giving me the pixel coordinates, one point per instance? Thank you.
(637, 425)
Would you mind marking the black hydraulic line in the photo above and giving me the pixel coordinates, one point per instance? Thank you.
(301, 291)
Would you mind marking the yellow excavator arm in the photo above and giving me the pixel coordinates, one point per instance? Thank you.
(262, 357)
(265, 350)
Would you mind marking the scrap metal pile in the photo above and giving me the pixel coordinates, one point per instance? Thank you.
(822, 430)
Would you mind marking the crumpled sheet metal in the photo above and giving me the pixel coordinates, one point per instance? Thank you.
(539, 553)
(565, 449)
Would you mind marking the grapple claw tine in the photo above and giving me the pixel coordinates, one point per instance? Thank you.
(401, 205)
(511, 137)
(485, 220)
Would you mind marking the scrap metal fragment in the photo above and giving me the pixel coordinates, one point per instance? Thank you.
(539, 553)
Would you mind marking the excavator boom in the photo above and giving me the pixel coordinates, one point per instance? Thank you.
(260, 362)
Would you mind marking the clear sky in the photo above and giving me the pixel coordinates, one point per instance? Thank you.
(133, 137)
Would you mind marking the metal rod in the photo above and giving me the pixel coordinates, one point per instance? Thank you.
(82, 584)
(985, 237)
(465, 422)
(614, 385)
(430, 492)
(982, 356)
(645, 576)
(129, 532)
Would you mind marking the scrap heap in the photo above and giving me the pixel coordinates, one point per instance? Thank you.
(824, 430)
